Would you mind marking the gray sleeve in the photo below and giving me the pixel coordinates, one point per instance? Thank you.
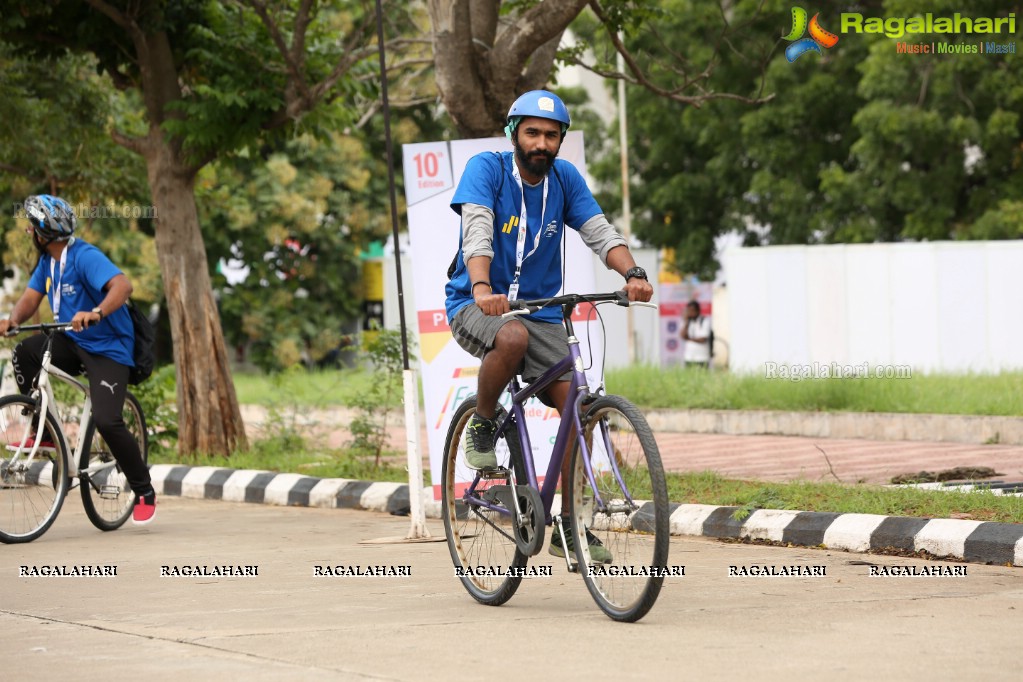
(600, 236)
(477, 231)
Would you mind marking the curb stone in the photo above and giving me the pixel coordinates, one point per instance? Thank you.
(982, 542)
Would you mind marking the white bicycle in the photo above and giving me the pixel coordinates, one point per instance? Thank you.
(38, 464)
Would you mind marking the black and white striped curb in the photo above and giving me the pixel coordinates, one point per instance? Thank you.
(973, 541)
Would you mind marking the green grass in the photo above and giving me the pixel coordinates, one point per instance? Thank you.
(268, 456)
(302, 388)
(656, 387)
(972, 394)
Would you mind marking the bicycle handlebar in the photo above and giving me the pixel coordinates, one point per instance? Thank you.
(44, 327)
(616, 297)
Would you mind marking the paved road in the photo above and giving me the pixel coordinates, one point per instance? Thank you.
(286, 624)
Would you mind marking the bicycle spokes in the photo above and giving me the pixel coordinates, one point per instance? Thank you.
(33, 480)
(619, 516)
(478, 517)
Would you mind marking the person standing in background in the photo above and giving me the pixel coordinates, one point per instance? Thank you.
(697, 335)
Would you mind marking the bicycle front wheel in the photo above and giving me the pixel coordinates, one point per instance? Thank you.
(31, 493)
(625, 506)
(106, 495)
(480, 536)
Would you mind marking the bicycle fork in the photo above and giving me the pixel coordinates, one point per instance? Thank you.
(41, 396)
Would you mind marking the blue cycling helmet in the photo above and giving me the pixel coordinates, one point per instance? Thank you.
(51, 217)
(541, 104)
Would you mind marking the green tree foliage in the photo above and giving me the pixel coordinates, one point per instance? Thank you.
(858, 144)
(939, 138)
(297, 219)
(685, 159)
(297, 214)
(54, 115)
(54, 119)
(210, 77)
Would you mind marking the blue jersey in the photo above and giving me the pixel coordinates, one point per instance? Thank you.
(86, 271)
(488, 181)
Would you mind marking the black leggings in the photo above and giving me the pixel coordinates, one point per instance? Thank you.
(108, 381)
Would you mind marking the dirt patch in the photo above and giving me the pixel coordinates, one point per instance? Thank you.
(954, 474)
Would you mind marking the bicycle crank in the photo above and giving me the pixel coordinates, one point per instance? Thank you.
(529, 524)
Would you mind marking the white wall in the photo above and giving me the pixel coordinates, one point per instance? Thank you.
(938, 306)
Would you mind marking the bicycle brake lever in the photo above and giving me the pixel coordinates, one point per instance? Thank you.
(515, 313)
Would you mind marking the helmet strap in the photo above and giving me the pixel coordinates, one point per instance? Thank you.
(513, 124)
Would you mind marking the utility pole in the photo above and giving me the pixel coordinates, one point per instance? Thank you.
(623, 144)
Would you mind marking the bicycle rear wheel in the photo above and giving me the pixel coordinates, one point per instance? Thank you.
(106, 495)
(480, 538)
(30, 494)
(631, 520)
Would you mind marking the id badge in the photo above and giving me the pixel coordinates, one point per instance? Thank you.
(513, 291)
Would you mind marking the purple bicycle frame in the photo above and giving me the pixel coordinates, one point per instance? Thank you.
(579, 388)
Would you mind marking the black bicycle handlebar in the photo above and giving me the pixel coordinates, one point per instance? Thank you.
(44, 327)
(616, 297)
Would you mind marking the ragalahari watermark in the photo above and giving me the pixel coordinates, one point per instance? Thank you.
(101, 212)
(834, 370)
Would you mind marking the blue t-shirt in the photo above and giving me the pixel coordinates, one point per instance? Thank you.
(86, 271)
(488, 181)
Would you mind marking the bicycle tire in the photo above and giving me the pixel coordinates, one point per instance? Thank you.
(479, 538)
(638, 538)
(30, 497)
(106, 496)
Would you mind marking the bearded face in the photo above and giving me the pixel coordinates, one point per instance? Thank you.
(39, 243)
(536, 162)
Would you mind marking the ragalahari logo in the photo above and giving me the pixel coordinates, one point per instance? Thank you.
(818, 36)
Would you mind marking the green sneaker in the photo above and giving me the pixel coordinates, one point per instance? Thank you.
(598, 552)
(479, 443)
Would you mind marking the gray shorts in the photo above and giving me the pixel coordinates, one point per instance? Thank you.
(548, 343)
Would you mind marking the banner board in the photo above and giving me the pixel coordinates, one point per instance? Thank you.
(432, 171)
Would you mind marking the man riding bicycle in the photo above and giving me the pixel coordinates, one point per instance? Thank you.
(88, 292)
(514, 208)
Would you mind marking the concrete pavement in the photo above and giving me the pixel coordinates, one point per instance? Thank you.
(287, 624)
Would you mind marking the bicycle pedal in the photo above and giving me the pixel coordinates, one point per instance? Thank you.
(109, 492)
(496, 472)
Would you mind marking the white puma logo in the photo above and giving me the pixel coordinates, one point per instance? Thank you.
(104, 383)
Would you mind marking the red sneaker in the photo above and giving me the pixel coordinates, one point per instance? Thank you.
(145, 509)
(44, 446)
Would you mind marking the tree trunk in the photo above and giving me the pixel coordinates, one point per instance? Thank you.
(209, 420)
(483, 64)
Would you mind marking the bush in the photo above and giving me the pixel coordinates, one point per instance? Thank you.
(158, 398)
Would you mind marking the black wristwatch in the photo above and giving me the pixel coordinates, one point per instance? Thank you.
(635, 272)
